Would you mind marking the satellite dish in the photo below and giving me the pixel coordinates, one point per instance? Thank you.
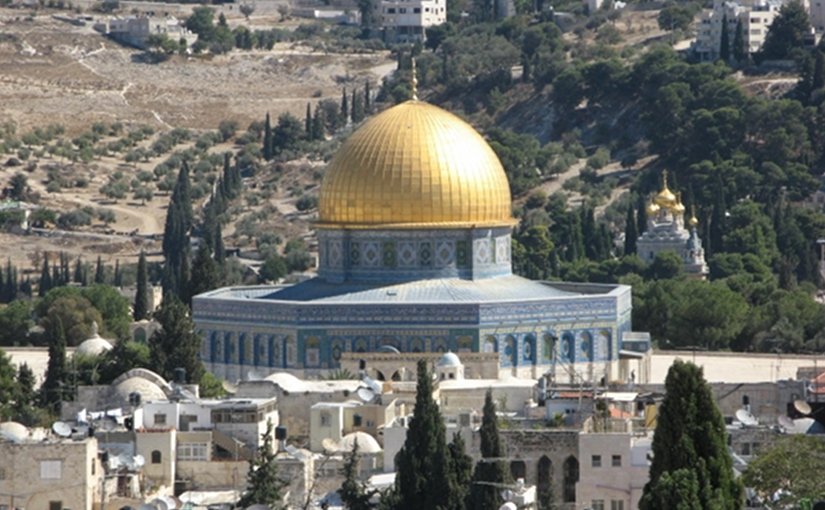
(374, 385)
(365, 394)
(62, 429)
(330, 445)
(802, 407)
(746, 418)
(139, 461)
(786, 423)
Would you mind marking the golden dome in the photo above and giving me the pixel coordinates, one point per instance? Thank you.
(693, 221)
(652, 208)
(415, 165)
(665, 197)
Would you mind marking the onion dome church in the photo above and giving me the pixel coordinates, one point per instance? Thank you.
(666, 232)
(414, 256)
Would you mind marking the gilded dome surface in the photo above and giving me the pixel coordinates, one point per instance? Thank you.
(415, 165)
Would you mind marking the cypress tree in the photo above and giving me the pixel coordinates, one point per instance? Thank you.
(64, 269)
(318, 125)
(421, 479)
(740, 53)
(77, 277)
(45, 282)
(308, 122)
(724, 45)
(220, 251)
(141, 308)
(100, 274)
(490, 472)
(353, 492)
(818, 80)
(357, 107)
(267, 138)
(182, 197)
(4, 293)
(12, 287)
(118, 278)
(460, 473)
(717, 218)
(690, 450)
(205, 273)
(630, 231)
(56, 276)
(175, 344)
(344, 107)
(52, 391)
(264, 486)
(367, 104)
(641, 215)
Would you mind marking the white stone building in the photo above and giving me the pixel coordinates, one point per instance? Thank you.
(46, 472)
(756, 17)
(407, 20)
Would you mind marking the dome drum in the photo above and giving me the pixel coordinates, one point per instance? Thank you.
(394, 255)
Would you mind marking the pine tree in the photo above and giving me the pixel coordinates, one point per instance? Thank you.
(53, 391)
(740, 52)
(344, 107)
(308, 122)
(100, 273)
(421, 465)
(141, 308)
(264, 486)
(490, 472)
(267, 138)
(630, 232)
(690, 453)
(724, 45)
(354, 494)
(45, 282)
(175, 344)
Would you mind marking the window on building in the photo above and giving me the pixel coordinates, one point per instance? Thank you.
(326, 419)
(596, 461)
(156, 457)
(193, 451)
(160, 419)
(356, 420)
(2, 473)
(51, 469)
(391, 10)
(617, 504)
(402, 10)
(416, 10)
(616, 461)
(55, 505)
(597, 504)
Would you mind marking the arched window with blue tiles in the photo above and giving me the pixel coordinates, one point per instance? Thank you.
(548, 346)
(214, 347)
(585, 345)
(490, 344)
(529, 349)
(567, 350)
(511, 350)
(227, 348)
(242, 341)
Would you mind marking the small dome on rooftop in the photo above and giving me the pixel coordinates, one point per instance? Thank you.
(94, 346)
(449, 360)
(366, 443)
(147, 390)
(13, 431)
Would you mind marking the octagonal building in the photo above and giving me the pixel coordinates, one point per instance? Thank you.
(414, 238)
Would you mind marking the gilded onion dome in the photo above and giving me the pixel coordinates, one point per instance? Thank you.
(652, 208)
(678, 207)
(665, 197)
(415, 165)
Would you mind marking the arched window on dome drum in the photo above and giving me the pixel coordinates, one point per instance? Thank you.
(490, 344)
(529, 349)
(227, 348)
(242, 341)
(214, 346)
(567, 349)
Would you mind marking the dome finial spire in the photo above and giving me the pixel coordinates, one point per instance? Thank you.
(664, 180)
(414, 80)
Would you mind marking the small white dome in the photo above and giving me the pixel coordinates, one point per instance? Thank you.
(146, 389)
(94, 346)
(366, 443)
(287, 382)
(449, 360)
(13, 431)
